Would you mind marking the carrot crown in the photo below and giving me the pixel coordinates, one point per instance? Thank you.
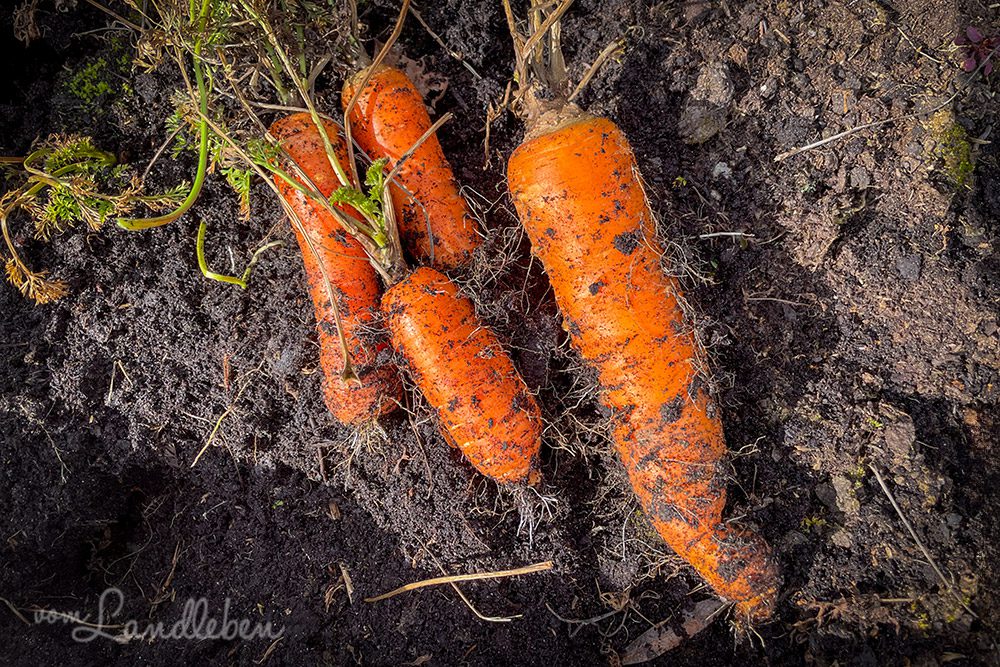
(545, 95)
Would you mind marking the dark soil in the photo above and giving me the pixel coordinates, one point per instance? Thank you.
(852, 327)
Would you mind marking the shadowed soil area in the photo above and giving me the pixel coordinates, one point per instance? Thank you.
(847, 296)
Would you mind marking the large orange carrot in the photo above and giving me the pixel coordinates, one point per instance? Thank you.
(460, 367)
(387, 121)
(353, 279)
(578, 195)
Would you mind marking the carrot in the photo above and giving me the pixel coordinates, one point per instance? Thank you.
(354, 281)
(578, 195)
(387, 121)
(484, 407)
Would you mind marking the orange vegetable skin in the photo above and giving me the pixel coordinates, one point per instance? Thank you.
(578, 196)
(484, 407)
(354, 281)
(387, 121)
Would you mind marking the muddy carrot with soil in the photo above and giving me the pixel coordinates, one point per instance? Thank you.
(486, 410)
(578, 194)
(388, 119)
(376, 389)
(457, 363)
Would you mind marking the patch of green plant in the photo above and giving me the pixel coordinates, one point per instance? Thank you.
(813, 523)
(857, 473)
(88, 83)
(63, 182)
(102, 78)
(368, 204)
(953, 148)
(874, 423)
(956, 151)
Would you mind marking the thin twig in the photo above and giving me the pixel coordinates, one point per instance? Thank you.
(437, 38)
(599, 61)
(581, 623)
(117, 16)
(159, 152)
(424, 137)
(885, 121)
(395, 170)
(436, 581)
(920, 544)
(222, 417)
(15, 610)
(465, 599)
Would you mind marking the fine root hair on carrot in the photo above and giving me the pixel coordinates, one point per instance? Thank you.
(534, 509)
(499, 255)
(498, 276)
(368, 438)
(481, 206)
(501, 504)
(630, 535)
(490, 500)
(572, 426)
(656, 559)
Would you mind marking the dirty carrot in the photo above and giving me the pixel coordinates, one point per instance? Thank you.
(484, 407)
(577, 192)
(387, 120)
(342, 260)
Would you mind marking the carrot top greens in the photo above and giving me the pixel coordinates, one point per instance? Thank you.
(63, 182)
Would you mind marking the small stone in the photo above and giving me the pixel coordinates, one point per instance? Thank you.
(714, 85)
(698, 124)
(900, 436)
(721, 169)
(705, 111)
(860, 178)
(842, 539)
(695, 9)
(827, 495)
(769, 88)
(909, 267)
(794, 538)
(847, 502)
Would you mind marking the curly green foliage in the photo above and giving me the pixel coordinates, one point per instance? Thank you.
(240, 181)
(63, 182)
(368, 204)
(60, 151)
